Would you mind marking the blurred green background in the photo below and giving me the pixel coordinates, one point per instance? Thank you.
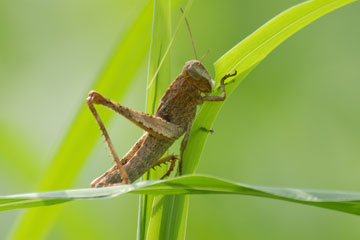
(292, 122)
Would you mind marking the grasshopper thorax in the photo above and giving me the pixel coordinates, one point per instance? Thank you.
(198, 76)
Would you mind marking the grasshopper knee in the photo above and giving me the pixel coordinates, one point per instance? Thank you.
(95, 97)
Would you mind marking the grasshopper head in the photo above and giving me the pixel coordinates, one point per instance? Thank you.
(197, 74)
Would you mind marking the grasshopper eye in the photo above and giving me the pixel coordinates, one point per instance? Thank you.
(198, 75)
(198, 72)
(194, 72)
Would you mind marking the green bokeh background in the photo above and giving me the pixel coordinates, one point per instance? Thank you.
(292, 122)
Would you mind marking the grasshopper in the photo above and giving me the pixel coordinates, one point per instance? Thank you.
(173, 118)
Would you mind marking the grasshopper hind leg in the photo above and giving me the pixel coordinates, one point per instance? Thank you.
(100, 182)
(124, 175)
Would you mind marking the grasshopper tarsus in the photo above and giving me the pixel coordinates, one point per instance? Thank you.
(211, 130)
(229, 75)
(222, 81)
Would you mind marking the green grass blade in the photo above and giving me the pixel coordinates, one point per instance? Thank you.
(244, 57)
(347, 202)
(161, 33)
(158, 82)
(151, 221)
(113, 83)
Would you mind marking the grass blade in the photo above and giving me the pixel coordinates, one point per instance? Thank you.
(70, 158)
(158, 82)
(347, 202)
(244, 57)
(151, 220)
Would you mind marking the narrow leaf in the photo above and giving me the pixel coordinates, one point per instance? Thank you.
(348, 202)
(243, 58)
(155, 223)
(158, 82)
(246, 55)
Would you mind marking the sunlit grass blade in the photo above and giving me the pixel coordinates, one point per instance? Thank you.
(151, 219)
(243, 58)
(158, 82)
(83, 132)
(161, 34)
(348, 202)
(246, 55)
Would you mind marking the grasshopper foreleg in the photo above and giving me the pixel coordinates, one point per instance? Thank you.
(223, 95)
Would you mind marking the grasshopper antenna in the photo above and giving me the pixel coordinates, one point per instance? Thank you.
(207, 53)
(192, 40)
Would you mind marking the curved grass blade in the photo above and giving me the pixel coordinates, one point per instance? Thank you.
(243, 58)
(113, 83)
(348, 202)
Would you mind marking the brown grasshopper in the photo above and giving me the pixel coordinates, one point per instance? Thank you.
(172, 119)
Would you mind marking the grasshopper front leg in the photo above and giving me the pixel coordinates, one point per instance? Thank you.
(223, 95)
(188, 129)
